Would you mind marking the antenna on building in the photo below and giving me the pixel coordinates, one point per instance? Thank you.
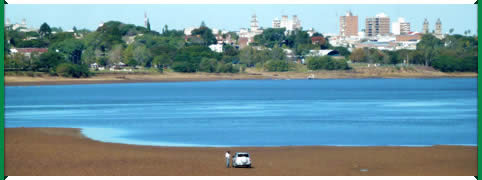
(336, 25)
(145, 19)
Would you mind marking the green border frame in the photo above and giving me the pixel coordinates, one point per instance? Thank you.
(2, 100)
(479, 98)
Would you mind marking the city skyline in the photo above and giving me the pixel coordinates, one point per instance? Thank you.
(323, 18)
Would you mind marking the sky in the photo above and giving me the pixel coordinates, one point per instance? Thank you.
(323, 18)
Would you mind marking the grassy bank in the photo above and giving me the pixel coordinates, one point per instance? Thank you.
(358, 70)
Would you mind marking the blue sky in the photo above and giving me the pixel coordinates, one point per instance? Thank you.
(324, 18)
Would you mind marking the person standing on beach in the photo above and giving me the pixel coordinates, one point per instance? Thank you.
(227, 155)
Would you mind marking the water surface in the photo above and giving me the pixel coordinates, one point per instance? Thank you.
(343, 112)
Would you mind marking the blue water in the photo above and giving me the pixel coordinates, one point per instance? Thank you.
(342, 112)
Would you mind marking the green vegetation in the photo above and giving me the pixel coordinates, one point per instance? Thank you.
(72, 70)
(453, 53)
(70, 53)
(326, 63)
(277, 66)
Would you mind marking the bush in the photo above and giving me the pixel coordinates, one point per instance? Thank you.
(452, 64)
(184, 67)
(72, 70)
(277, 66)
(207, 65)
(327, 63)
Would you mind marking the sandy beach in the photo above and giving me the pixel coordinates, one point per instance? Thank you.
(358, 72)
(64, 151)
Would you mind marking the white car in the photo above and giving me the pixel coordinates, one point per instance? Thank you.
(241, 159)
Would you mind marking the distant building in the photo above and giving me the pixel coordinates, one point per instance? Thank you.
(401, 27)
(22, 27)
(387, 45)
(318, 40)
(323, 52)
(28, 51)
(438, 29)
(409, 37)
(187, 31)
(216, 47)
(377, 26)
(289, 54)
(253, 30)
(243, 42)
(311, 31)
(348, 25)
(425, 29)
(288, 24)
(276, 23)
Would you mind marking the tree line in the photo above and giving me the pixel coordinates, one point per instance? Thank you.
(70, 53)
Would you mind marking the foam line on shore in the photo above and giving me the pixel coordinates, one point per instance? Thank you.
(112, 135)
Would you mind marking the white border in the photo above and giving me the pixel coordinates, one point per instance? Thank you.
(241, 2)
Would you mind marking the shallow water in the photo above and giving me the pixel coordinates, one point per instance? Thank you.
(343, 112)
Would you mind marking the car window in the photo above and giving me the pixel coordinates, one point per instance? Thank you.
(243, 155)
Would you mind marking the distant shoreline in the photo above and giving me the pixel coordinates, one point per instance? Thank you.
(187, 77)
(65, 151)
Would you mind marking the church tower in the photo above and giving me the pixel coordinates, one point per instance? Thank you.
(425, 27)
(438, 28)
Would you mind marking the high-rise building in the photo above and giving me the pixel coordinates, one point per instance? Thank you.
(438, 28)
(425, 27)
(288, 24)
(276, 23)
(296, 22)
(378, 25)
(284, 21)
(401, 27)
(348, 25)
(404, 28)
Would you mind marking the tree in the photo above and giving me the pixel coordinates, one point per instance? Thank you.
(45, 30)
(205, 34)
(430, 46)
(162, 61)
(277, 66)
(229, 50)
(72, 70)
(343, 51)
(49, 60)
(277, 53)
(148, 25)
(142, 56)
(271, 37)
(128, 54)
(327, 63)
(451, 30)
(115, 55)
(165, 30)
(208, 65)
(72, 48)
(358, 55)
(102, 61)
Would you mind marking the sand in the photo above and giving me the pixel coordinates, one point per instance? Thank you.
(64, 151)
